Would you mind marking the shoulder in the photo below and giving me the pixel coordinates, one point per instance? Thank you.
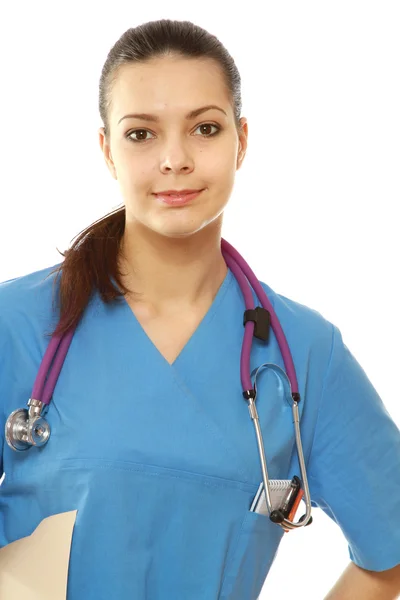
(25, 288)
(303, 325)
(25, 316)
(27, 299)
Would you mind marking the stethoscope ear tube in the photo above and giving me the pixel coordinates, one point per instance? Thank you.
(278, 516)
(307, 518)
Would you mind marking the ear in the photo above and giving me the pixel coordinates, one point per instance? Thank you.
(104, 145)
(240, 152)
(240, 156)
(242, 142)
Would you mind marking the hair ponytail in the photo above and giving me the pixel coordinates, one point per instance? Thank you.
(89, 264)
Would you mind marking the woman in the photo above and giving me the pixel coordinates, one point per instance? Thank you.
(151, 440)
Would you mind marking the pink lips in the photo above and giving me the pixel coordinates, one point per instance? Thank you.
(177, 199)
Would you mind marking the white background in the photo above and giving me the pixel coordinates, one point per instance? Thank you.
(315, 208)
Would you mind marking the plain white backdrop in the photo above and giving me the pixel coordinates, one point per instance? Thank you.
(315, 208)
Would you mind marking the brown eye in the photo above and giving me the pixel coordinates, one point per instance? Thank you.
(141, 135)
(205, 129)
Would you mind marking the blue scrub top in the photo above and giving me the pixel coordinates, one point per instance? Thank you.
(161, 460)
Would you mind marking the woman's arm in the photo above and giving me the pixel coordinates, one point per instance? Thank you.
(359, 584)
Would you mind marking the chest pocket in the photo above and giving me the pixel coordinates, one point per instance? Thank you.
(252, 557)
(259, 538)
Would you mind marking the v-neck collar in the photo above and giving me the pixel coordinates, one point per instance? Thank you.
(144, 338)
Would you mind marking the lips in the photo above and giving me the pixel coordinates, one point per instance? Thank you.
(178, 192)
(177, 198)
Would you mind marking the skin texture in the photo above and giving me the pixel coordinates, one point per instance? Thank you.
(172, 255)
(359, 584)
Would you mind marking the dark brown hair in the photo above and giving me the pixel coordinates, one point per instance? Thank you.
(92, 259)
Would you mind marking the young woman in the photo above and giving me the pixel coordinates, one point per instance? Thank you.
(151, 440)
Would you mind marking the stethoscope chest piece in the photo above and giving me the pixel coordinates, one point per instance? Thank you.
(26, 428)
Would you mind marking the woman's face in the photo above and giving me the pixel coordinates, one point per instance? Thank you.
(173, 152)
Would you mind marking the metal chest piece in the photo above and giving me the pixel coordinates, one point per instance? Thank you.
(27, 427)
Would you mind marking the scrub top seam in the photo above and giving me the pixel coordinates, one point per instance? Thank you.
(207, 319)
(321, 397)
(181, 384)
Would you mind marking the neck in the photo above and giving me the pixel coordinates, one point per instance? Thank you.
(172, 273)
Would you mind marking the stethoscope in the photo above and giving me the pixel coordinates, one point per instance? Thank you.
(28, 427)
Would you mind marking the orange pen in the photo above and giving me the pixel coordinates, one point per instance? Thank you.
(295, 507)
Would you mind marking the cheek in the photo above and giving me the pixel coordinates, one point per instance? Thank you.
(220, 168)
(139, 176)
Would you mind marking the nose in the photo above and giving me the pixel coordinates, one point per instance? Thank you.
(176, 159)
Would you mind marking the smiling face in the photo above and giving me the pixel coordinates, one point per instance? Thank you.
(172, 149)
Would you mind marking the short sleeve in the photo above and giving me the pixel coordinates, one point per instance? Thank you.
(354, 465)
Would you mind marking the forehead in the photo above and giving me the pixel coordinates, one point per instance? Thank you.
(169, 85)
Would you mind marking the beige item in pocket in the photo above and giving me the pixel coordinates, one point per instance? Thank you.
(36, 567)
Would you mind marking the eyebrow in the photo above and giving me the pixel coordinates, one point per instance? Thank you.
(191, 115)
